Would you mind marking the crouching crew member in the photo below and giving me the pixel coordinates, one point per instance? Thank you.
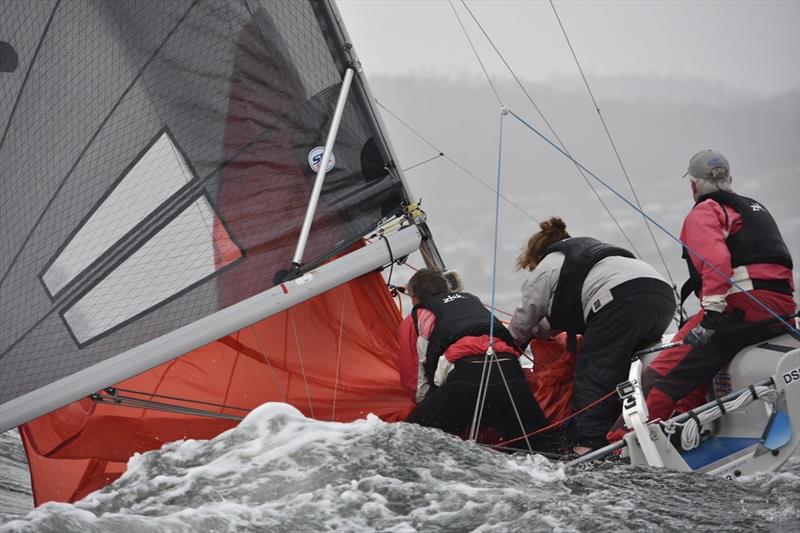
(620, 304)
(739, 240)
(452, 337)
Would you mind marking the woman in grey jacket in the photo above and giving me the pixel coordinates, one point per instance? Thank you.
(619, 304)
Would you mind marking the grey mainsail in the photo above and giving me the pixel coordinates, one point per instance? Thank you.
(156, 161)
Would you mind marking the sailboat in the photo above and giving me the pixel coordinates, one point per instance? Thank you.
(197, 200)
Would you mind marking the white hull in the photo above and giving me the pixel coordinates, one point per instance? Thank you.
(758, 437)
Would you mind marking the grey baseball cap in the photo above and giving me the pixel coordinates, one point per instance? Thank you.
(709, 165)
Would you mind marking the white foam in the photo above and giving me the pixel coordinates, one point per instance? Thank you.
(281, 471)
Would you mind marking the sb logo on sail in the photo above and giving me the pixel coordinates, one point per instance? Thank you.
(315, 158)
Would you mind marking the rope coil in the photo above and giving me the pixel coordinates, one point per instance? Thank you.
(691, 429)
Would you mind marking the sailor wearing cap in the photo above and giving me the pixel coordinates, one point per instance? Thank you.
(726, 236)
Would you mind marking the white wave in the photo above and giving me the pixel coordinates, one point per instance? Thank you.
(278, 470)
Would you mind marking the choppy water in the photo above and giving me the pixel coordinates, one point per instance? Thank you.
(279, 471)
(15, 485)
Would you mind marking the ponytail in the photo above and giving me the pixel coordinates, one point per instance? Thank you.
(551, 231)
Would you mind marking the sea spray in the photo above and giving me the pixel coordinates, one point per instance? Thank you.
(280, 471)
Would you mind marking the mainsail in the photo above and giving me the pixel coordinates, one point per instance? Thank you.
(156, 160)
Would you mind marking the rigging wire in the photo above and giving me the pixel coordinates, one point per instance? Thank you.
(437, 156)
(302, 365)
(178, 398)
(477, 56)
(391, 259)
(491, 356)
(399, 302)
(263, 352)
(230, 380)
(503, 113)
(338, 355)
(616, 152)
(454, 162)
(561, 422)
(127, 401)
(550, 127)
(486, 371)
(792, 330)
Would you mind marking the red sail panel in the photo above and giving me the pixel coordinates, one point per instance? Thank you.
(333, 357)
(552, 376)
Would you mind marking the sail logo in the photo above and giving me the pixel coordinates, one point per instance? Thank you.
(757, 207)
(315, 158)
(453, 297)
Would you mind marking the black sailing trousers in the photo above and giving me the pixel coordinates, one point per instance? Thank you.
(625, 325)
(451, 407)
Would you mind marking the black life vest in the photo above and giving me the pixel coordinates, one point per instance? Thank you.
(580, 255)
(758, 241)
(457, 315)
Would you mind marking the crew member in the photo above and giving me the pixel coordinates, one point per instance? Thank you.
(726, 236)
(452, 331)
(620, 304)
(412, 374)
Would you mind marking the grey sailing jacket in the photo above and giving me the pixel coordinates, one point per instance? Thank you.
(530, 318)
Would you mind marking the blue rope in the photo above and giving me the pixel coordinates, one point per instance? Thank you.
(792, 329)
(487, 366)
(496, 226)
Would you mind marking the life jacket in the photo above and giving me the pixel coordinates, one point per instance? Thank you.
(457, 315)
(580, 255)
(758, 241)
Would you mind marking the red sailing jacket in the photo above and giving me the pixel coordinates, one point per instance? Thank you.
(408, 356)
(704, 230)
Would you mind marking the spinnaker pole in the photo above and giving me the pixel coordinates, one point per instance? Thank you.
(297, 260)
(199, 333)
(342, 47)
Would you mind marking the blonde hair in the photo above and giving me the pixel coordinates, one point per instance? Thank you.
(551, 231)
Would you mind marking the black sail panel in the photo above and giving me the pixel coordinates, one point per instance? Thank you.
(156, 163)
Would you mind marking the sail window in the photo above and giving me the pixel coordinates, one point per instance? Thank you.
(174, 260)
(158, 172)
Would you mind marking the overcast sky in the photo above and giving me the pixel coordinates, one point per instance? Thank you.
(671, 78)
(752, 45)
